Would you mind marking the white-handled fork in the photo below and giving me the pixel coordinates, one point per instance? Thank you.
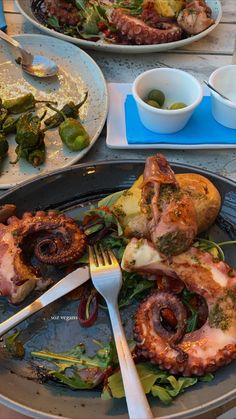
(106, 276)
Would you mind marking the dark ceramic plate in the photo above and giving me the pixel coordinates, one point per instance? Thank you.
(54, 328)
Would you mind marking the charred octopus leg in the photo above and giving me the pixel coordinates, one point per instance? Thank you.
(172, 220)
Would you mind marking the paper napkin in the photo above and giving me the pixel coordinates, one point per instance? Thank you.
(201, 128)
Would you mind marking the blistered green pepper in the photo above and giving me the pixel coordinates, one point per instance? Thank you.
(35, 156)
(3, 146)
(69, 110)
(73, 134)
(22, 103)
(29, 136)
(3, 115)
(9, 125)
(28, 130)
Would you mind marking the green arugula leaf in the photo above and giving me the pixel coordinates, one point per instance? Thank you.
(78, 371)
(210, 247)
(53, 21)
(90, 25)
(115, 243)
(159, 383)
(14, 345)
(76, 357)
(207, 378)
(192, 320)
(104, 357)
(148, 375)
(109, 200)
(162, 394)
(135, 7)
(75, 381)
(180, 384)
(81, 4)
(108, 218)
(134, 285)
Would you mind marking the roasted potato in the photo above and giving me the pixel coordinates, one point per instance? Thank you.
(206, 197)
(167, 8)
(127, 210)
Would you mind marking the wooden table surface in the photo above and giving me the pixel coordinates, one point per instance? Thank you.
(200, 59)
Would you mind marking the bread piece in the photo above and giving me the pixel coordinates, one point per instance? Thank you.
(206, 197)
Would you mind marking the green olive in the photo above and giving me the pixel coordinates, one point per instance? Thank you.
(157, 95)
(178, 105)
(153, 103)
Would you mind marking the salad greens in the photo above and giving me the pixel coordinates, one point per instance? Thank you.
(14, 345)
(192, 320)
(77, 370)
(134, 7)
(74, 366)
(159, 383)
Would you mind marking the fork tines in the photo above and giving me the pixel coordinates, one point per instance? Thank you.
(100, 256)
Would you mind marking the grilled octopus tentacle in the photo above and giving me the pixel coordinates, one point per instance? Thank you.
(214, 343)
(57, 239)
(172, 218)
(52, 237)
(138, 32)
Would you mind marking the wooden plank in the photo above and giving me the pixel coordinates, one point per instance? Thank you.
(228, 6)
(123, 69)
(229, 11)
(219, 41)
(10, 6)
(17, 24)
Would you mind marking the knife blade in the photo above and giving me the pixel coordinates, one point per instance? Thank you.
(62, 287)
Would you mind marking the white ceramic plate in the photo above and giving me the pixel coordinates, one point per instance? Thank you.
(78, 73)
(25, 8)
(56, 327)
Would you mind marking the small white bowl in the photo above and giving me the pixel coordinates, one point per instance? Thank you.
(224, 80)
(177, 86)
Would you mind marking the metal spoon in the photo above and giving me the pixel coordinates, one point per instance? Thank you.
(36, 65)
(215, 90)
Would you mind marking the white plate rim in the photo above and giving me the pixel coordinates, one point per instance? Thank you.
(82, 153)
(124, 49)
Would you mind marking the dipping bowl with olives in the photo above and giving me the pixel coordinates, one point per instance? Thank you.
(166, 98)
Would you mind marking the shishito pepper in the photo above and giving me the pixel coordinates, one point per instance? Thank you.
(22, 103)
(9, 125)
(70, 110)
(28, 130)
(35, 156)
(29, 138)
(3, 146)
(72, 133)
(3, 115)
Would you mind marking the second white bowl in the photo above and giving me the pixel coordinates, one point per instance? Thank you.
(178, 86)
(224, 80)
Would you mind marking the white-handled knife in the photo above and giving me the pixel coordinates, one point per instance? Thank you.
(62, 287)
